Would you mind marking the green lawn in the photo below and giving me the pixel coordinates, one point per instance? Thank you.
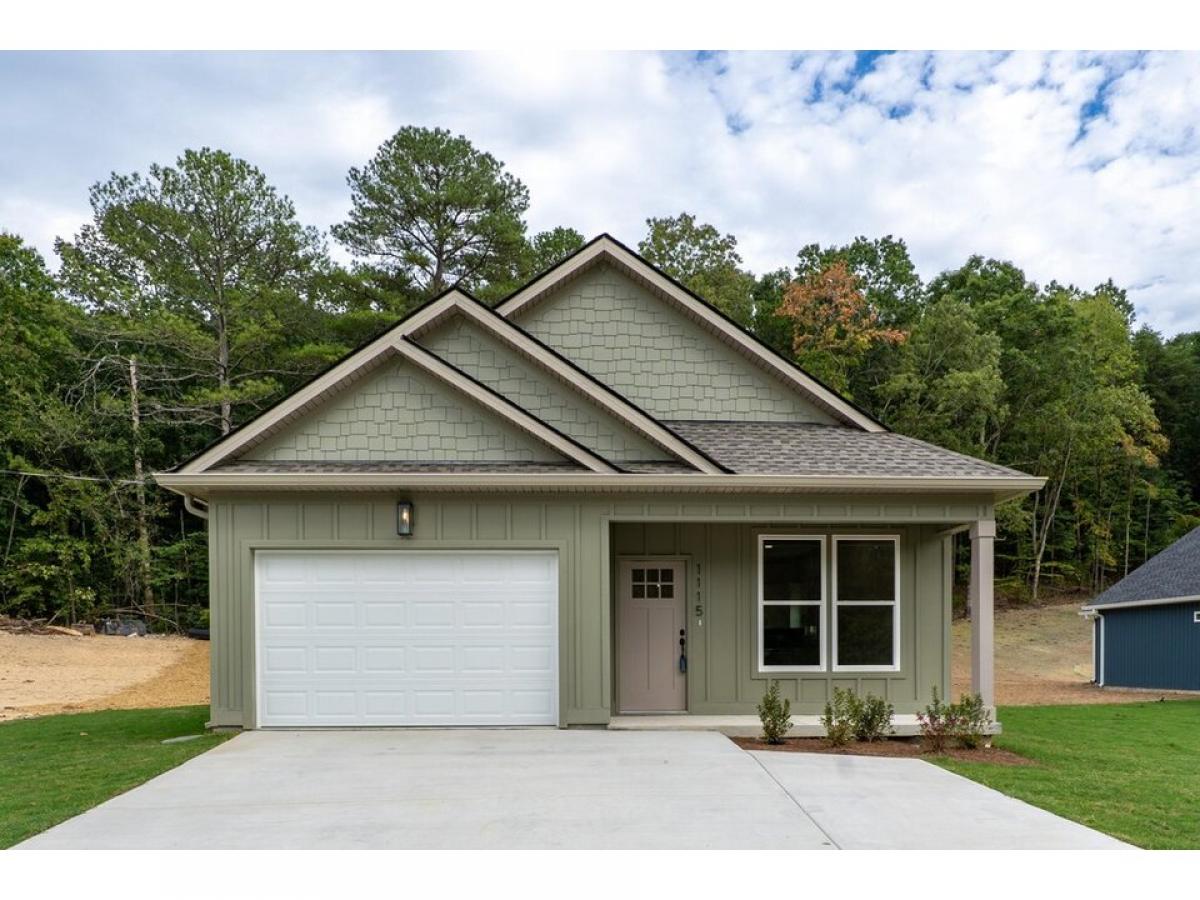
(1130, 770)
(55, 767)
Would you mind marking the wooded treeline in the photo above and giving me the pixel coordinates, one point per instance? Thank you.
(195, 297)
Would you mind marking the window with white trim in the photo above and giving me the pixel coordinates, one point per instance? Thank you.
(791, 603)
(866, 607)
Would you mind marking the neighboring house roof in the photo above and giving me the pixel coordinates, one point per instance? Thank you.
(800, 447)
(858, 454)
(1173, 576)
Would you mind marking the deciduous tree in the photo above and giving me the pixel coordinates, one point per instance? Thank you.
(833, 326)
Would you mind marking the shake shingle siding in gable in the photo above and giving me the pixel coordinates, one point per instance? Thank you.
(647, 350)
(400, 413)
(490, 361)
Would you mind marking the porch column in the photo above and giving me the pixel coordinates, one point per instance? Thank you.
(981, 595)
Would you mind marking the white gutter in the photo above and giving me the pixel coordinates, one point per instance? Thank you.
(195, 507)
(1159, 601)
(202, 482)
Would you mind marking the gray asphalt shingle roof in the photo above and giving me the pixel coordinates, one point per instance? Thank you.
(745, 448)
(802, 448)
(1173, 573)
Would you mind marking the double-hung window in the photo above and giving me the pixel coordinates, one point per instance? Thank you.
(866, 608)
(791, 594)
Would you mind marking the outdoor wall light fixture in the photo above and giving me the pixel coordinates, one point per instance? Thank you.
(404, 518)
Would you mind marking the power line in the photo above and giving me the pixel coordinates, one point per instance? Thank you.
(67, 477)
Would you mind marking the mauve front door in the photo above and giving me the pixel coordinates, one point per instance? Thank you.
(651, 624)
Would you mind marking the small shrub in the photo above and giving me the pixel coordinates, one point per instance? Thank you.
(938, 723)
(775, 713)
(972, 721)
(872, 718)
(839, 717)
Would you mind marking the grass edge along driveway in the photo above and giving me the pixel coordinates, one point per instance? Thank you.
(1131, 770)
(55, 767)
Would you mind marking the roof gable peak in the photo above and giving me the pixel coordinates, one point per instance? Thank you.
(604, 248)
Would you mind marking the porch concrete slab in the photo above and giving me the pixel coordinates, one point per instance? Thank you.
(453, 789)
(904, 725)
(865, 802)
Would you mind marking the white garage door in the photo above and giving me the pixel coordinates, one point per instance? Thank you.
(407, 638)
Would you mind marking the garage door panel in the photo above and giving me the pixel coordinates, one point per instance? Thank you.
(335, 660)
(334, 614)
(285, 659)
(383, 660)
(407, 638)
(385, 613)
(432, 613)
(284, 614)
(482, 614)
(530, 614)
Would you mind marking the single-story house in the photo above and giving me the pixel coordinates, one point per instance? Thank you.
(1146, 627)
(600, 498)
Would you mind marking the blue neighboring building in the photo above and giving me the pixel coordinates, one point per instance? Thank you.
(1146, 627)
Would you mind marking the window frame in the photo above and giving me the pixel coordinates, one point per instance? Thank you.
(822, 618)
(835, 603)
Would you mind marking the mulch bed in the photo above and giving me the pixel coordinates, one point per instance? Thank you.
(904, 747)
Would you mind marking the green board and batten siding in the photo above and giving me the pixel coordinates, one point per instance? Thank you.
(716, 534)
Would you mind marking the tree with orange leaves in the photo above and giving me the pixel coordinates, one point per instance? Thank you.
(833, 325)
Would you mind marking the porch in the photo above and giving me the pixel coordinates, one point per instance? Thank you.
(739, 627)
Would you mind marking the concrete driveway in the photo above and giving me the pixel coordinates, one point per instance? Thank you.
(550, 788)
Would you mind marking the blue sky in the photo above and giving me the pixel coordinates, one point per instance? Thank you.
(1078, 167)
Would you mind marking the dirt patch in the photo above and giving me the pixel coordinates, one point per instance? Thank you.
(46, 674)
(1043, 657)
(898, 747)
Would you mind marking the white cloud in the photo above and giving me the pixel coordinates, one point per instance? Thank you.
(958, 153)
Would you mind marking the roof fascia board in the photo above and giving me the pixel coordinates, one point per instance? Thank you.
(1126, 604)
(497, 404)
(598, 481)
(606, 246)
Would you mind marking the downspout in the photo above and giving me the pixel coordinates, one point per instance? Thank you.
(196, 507)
